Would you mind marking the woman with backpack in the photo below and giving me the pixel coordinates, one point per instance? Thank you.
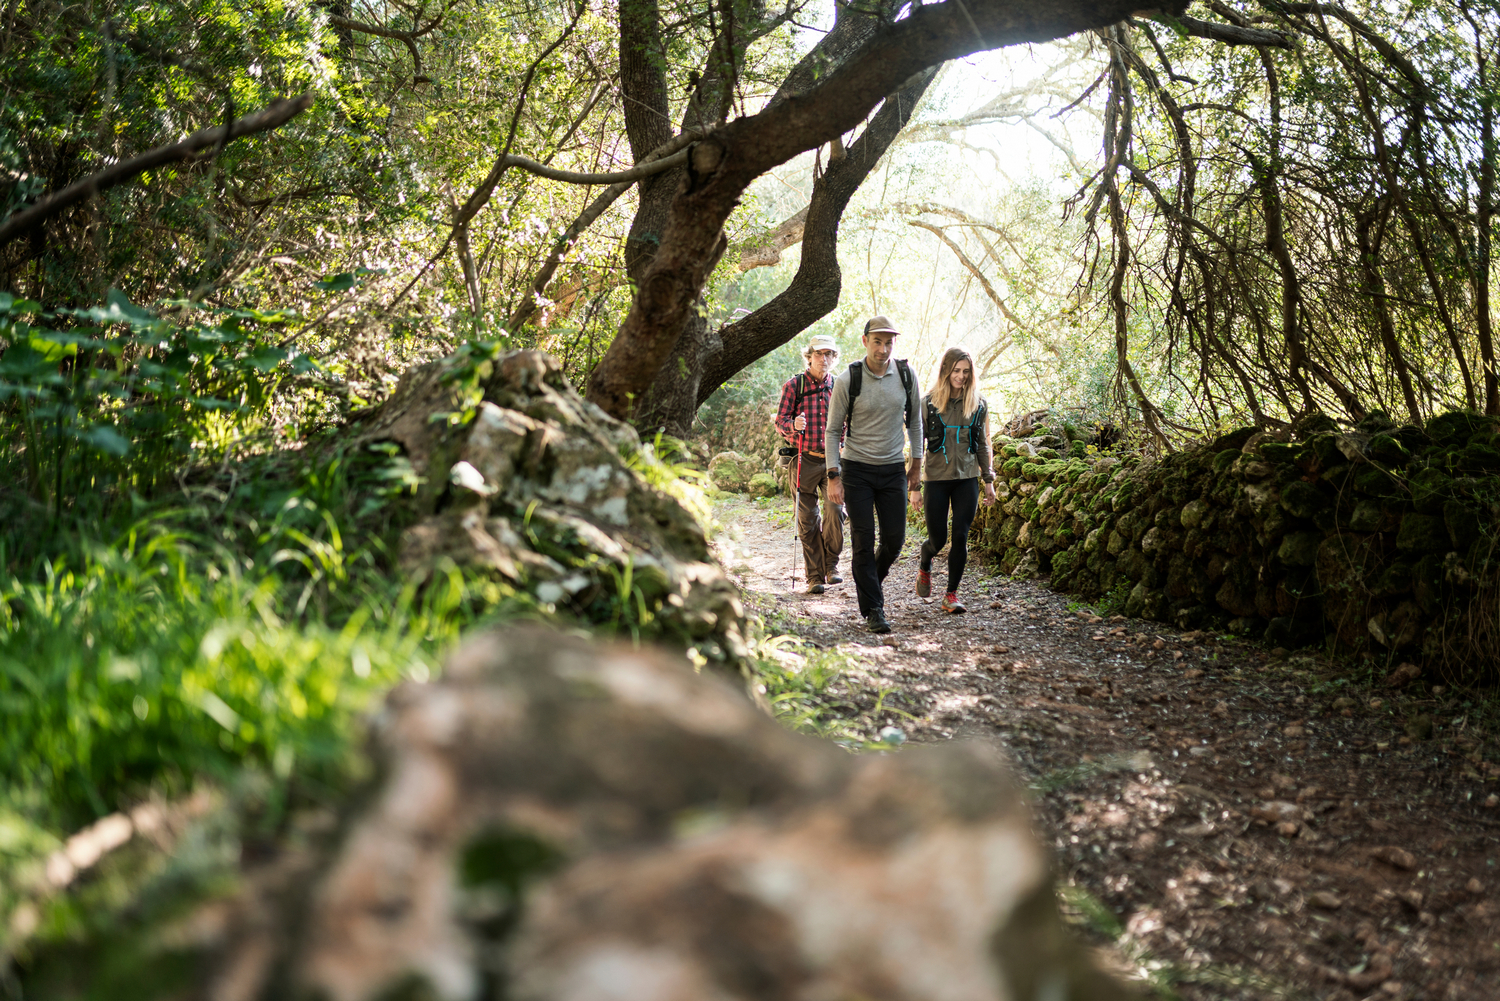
(957, 428)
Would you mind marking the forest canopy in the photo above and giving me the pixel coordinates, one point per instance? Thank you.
(1288, 208)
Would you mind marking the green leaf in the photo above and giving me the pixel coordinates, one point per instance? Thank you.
(337, 283)
(106, 439)
(266, 358)
(347, 280)
(51, 347)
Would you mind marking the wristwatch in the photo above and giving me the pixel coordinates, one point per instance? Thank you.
(833, 474)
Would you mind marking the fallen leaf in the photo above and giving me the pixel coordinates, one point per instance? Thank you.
(1192, 673)
(1294, 731)
(1325, 899)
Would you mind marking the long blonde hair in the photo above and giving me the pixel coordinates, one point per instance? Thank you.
(942, 389)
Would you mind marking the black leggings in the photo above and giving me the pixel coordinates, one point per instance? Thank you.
(938, 496)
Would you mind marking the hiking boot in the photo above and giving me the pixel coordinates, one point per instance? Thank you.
(834, 578)
(924, 584)
(952, 604)
(815, 587)
(875, 621)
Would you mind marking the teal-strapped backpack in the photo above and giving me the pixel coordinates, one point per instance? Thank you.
(937, 430)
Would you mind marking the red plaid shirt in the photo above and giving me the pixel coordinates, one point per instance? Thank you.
(815, 397)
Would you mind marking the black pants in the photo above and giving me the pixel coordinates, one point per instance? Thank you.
(874, 493)
(938, 497)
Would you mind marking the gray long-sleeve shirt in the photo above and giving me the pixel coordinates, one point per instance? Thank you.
(879, 412)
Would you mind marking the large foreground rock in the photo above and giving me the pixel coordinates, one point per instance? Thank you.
(555, 820)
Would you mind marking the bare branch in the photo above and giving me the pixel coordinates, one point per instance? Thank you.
(640, 170)
(275, 115)
(585, 219)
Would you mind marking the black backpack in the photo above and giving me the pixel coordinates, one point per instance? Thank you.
(937, 429)
(857, 378)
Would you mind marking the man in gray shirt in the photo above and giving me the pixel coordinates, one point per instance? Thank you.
(875, 398)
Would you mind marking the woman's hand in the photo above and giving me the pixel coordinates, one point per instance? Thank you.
(989, 495)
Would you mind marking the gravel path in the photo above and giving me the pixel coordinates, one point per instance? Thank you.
(1228, 824)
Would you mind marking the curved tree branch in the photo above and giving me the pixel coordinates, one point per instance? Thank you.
(273, 116)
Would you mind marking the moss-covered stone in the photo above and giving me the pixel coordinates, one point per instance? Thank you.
(1388, 450)
(1373, 481)
(763, 485)
(1430, 487)
(1299, 549)
(1455, 427)
(1480, 458)
(1421, 533)
(1303, 500)
(1366, 516)
(1280, 453)
(1463, 523)
(1374, 422)
(1193, 513)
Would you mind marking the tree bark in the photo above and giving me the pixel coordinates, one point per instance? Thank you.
(722, 166)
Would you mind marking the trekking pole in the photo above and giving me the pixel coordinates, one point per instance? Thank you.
(796, 475)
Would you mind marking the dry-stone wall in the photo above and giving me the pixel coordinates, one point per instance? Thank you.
(1380, 538)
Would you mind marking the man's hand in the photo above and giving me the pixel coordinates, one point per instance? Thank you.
(800, 423)
(989, 495)
(914, 497)
(835, 490)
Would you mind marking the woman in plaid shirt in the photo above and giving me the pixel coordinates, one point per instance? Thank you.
(801, 419)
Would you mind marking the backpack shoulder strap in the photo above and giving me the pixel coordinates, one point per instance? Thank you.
(932, 425)
(904, 370)
(801, 389)
(856, 378)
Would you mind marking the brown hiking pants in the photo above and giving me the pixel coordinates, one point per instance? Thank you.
(820, 525)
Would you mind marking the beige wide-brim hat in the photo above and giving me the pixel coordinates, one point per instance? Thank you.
(821, 342)
(880, 325)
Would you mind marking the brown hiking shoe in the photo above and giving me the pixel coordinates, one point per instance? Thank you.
(924, 584)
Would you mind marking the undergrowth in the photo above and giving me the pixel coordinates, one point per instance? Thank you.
(809, 690)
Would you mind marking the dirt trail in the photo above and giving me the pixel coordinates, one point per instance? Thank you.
(1236, 825)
